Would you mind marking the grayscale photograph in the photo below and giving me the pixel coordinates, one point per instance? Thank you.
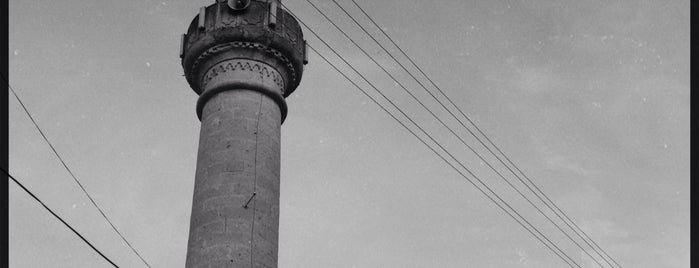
(348, 133)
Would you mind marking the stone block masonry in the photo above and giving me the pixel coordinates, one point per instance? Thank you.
(243, 62)
(238, 156)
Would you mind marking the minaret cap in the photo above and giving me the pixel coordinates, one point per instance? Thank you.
(256, 24)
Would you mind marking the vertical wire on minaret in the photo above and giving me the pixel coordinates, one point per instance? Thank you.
(232, 57)
(254, 186)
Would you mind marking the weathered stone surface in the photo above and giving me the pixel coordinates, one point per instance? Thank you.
(243, 67)
(225, 29)
(234, 171)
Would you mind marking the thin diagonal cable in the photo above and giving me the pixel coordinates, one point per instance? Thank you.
(461, 164)
(489, 141)
(440, 156)
(453, 132)
(462, 141)
(71, 173)
(426, 132)
(58, 217)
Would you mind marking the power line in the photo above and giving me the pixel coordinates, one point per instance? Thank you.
(486, 137)
(442, 122)
(461, 164)
(71, 173)
(456, 135)
(58, 217)
(445, 160)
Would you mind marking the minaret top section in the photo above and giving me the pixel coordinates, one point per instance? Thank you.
(250, 28)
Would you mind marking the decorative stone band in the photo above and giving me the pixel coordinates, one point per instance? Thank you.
(242, 74)
(239, 68)
(249, 45)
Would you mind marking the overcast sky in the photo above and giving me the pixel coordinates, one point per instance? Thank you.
(589, 98)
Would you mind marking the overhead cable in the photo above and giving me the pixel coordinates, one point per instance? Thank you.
(556, 210)
(450, 129)
(461, 164)
(71, 172)
(58, 217)
(456, 135)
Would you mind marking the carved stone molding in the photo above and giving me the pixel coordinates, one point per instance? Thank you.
(242, 74)
(243, 69)
(231, 45)
(218, 29)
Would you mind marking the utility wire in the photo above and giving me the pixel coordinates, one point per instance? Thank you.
(462, 141)
(71, 173)
(485, 136)
(461, 164)
(254, 187)
(58, 217)
(445, 125)
(444, 159)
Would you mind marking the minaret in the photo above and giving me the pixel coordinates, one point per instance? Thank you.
(243, 58)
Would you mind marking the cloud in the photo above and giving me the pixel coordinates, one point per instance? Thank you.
(561, 162)
(536, 79)
(603, 228)
(523, 257)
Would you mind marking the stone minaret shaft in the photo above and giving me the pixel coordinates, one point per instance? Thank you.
(243, 58)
